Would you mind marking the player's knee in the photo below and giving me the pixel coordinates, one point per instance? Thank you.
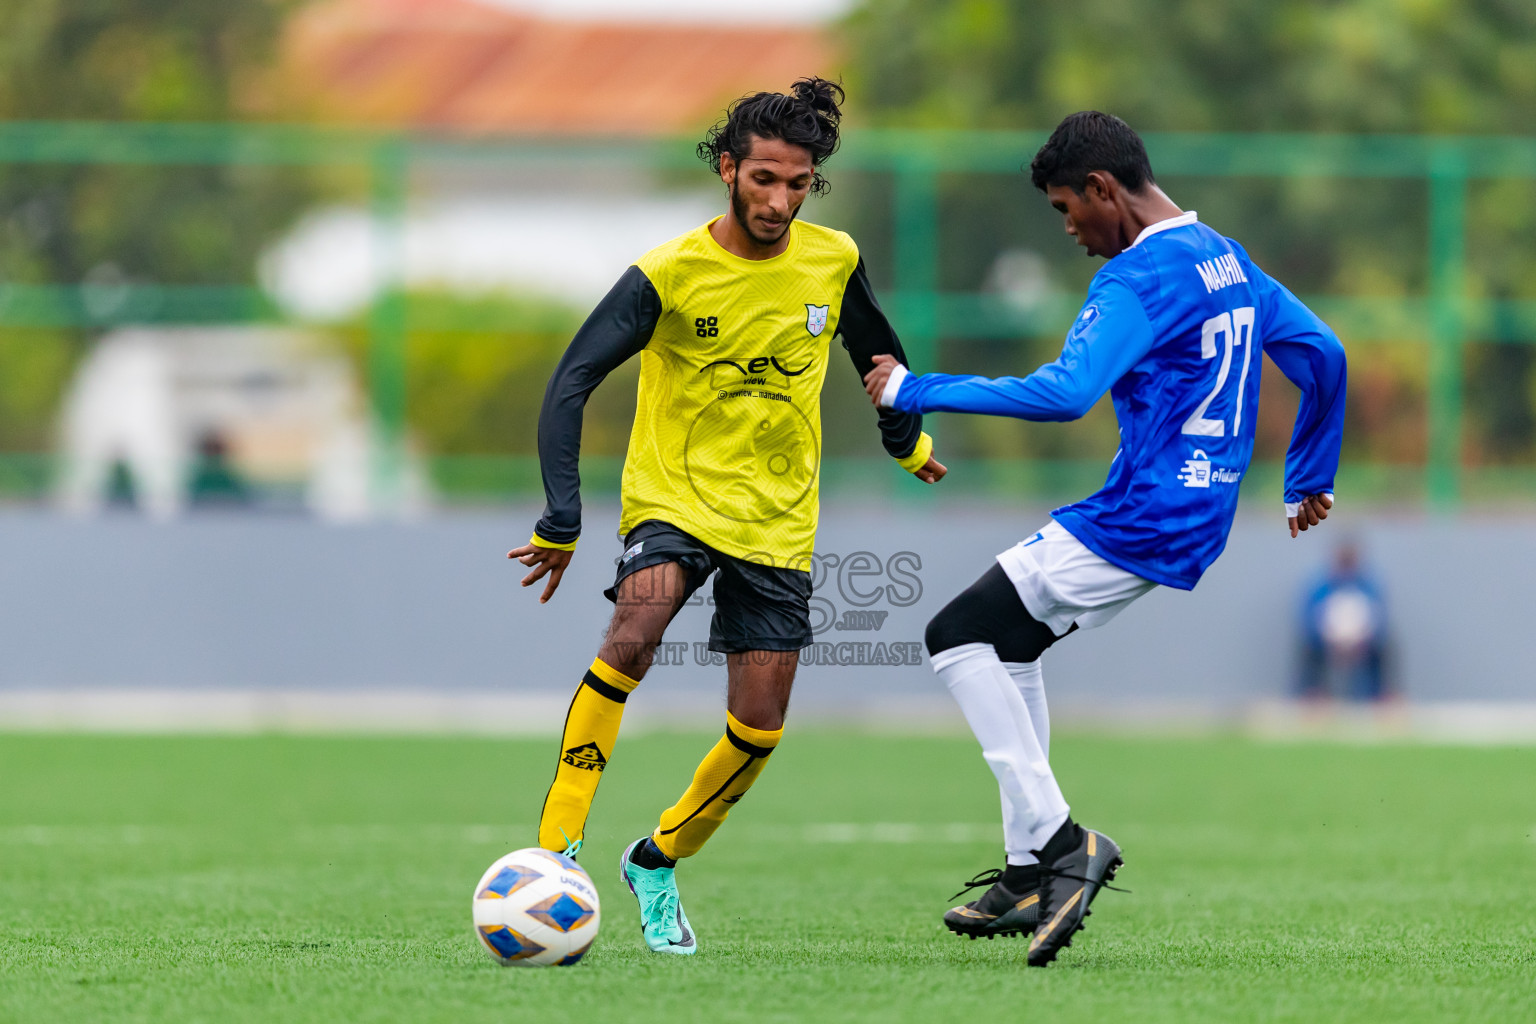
(948, 629)
(628, 648)
(633, 659)
(627, 662)
(990, 612)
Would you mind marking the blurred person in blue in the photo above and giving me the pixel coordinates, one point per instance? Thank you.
(1344, 633)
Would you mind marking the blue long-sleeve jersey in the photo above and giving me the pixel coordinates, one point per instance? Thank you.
(1175, 328)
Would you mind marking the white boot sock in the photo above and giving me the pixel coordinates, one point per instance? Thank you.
(1031, 683)
(1033, 807)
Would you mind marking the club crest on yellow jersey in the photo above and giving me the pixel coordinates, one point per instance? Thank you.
(815, 319)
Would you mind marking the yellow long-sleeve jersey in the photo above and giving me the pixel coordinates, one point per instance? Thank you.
(733, 352)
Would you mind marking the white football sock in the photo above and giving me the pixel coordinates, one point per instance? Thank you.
(1031, 683)
(1033, 807)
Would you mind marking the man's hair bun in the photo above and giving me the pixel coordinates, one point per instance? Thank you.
(809, 115)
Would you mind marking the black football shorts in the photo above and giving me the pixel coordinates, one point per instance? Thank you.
(757, 607)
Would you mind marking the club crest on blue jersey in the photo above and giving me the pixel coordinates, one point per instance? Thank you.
(815, 319)
(1086, 317)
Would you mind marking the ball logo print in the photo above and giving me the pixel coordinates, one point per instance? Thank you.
(535, 908)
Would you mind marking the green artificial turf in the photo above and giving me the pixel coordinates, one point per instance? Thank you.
(307, 879)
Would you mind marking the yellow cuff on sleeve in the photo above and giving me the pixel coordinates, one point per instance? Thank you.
(920, 455)
(541, 542)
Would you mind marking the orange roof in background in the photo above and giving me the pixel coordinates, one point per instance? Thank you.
(463, 67)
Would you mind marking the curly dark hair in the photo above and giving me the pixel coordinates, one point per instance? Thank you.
(1091, 141)
(807, 116)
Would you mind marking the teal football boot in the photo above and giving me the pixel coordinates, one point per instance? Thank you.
(662, 920)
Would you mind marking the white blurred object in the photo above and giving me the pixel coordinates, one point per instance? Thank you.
(288, 411)
(572, 247)
(1347, 620)
(1022, 277)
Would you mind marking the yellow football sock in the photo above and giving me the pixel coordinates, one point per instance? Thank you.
(722, 778)
(591, 727)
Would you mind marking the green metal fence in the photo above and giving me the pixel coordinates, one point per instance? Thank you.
(1444, 318)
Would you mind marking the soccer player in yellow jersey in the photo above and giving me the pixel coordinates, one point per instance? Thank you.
(733, 324)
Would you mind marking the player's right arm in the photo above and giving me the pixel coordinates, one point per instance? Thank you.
(1109, 336)
(617, 329)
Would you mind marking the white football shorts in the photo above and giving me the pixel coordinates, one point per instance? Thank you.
(1061, 582)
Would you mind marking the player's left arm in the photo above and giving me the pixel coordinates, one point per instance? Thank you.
(868, 336)
(1312, 357)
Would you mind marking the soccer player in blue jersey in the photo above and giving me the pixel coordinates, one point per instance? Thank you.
(1174, 327)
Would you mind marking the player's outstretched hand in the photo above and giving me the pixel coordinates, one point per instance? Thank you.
(932, 471)
(550, 561)
(874, 381)
(1313, 510)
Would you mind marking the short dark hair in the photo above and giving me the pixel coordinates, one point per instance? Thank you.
(807, 116)
(1091, 141)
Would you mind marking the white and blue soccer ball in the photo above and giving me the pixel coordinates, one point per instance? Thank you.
(534, 908)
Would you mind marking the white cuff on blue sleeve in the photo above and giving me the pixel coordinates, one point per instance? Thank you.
(893, 385)
(1293, 507)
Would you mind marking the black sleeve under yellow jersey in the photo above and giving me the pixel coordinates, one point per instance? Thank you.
(700, 305)
(867, 333)
(617, 329)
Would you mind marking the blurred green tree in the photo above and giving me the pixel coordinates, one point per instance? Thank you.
(476, 366)
(1367, 66)
(1204, 65)
(148, 60)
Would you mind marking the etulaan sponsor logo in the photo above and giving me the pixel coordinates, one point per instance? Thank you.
(1200, 471)
(1197, 470)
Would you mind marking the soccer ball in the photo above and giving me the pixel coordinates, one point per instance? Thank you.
(534, 908)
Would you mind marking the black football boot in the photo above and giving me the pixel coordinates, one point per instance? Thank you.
(1010, 907)
(1074, 865)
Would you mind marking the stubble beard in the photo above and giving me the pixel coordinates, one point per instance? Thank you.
(740, 212)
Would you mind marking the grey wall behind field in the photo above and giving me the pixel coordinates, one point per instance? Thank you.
(258, 602)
